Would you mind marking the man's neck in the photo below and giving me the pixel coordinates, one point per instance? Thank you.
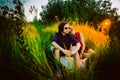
(63, 34)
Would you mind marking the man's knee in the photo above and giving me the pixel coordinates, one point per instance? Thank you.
(73, 48)
(57, 53)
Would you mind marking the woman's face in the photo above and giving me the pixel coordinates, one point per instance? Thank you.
(66, 29)
(71, 31)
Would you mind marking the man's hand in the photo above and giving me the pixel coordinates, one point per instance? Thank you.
(68, 54)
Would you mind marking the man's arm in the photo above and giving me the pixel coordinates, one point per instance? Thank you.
(59, 47)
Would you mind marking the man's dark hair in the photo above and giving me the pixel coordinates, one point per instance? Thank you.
(61, 26)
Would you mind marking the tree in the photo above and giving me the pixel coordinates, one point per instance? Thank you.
(52, 9)
(11, 21)
(90, 11)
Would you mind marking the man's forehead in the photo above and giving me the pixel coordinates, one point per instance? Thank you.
(66, 25)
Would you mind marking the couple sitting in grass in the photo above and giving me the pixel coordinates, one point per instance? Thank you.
(69, 43)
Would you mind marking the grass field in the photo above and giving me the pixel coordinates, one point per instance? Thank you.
(95, 39)
(32, 58)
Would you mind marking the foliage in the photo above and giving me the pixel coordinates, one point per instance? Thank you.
(46, 38)
(10, 28)
(107, 62)
(30, 56)
(24, 56)
(15, 13)
(90, 11)
(115, 37)
(25, 52)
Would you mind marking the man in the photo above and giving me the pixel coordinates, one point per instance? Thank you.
(62, 42)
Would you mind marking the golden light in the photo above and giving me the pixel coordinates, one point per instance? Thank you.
(107, 22)
(105, 25)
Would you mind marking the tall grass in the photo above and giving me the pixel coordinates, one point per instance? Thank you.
(26, 56)
(95, 40)
(30, 55)
(36, 47)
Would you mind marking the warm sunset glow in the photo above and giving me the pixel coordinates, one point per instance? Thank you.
(105, 25)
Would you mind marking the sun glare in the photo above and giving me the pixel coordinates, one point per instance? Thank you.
(104, 26)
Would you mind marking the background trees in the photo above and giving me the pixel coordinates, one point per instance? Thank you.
(91, 11)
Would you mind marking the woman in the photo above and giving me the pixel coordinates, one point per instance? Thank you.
(84, 49)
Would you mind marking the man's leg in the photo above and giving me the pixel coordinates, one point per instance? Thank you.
(57, 54)
(57, 62)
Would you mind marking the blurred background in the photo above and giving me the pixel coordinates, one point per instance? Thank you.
(27, 28)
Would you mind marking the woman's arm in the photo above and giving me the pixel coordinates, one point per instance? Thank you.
(82, 42)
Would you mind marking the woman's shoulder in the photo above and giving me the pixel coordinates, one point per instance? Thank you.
(77, 33)
(80, 33)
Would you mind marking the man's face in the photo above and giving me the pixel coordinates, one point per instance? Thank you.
(66, 29)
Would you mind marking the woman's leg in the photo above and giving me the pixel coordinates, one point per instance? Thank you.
(91, 51)
(77, 58)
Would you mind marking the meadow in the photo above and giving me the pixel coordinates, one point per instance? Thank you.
(25, 47)
(32, 59)
(95, 40)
